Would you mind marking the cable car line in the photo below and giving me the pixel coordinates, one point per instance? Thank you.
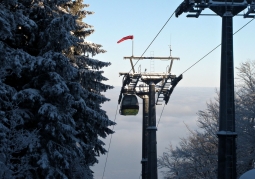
(202, 58)
(216, 47)
(129, 72)
(181, 74)
(161, 114)
(243, 26)
(154, 39)
(110, 142)
(206, 56)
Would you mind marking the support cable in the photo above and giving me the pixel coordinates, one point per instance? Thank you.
(216, 47)
(161, 114)
(203, 58)
(153, 39)
(140, 174)
(181, 73)
(110, 141)
(129, 72)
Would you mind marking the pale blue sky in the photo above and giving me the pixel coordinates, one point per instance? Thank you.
(191, 39)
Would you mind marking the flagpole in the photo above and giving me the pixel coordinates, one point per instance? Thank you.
(132, 56)
(125, 38)
(132, 47)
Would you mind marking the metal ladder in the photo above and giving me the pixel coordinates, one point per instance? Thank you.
(165, 84)
(133, 83)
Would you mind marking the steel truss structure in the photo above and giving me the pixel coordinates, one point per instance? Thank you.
(146, 85)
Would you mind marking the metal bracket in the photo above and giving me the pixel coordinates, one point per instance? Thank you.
(152, 128)
(251, 11)
(195, 7)
(170, 91)
(226, 133)
(216, 3)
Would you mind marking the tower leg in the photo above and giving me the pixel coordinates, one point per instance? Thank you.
(145, 137)
(227, 134)
(152, 138)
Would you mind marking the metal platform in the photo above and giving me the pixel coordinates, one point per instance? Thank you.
(138, 83)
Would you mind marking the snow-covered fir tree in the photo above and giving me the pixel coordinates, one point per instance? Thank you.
(14, 139)
(50, 95)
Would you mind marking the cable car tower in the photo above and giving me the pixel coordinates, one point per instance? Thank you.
(146, 85)
(226, 9)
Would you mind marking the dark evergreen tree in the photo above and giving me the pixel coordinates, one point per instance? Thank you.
(50, 93)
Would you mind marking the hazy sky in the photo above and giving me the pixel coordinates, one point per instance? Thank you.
(191, 39)
(126, 148)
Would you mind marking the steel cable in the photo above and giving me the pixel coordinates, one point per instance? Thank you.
(153, 40)
(216, 47)
(181, 73)
(110, 142)
(129, 72)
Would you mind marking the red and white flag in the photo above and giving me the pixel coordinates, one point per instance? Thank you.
(126, 38)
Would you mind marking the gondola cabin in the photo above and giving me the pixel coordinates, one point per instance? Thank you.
(129, 105)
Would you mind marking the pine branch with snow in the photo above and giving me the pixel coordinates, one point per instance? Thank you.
(50, 90)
